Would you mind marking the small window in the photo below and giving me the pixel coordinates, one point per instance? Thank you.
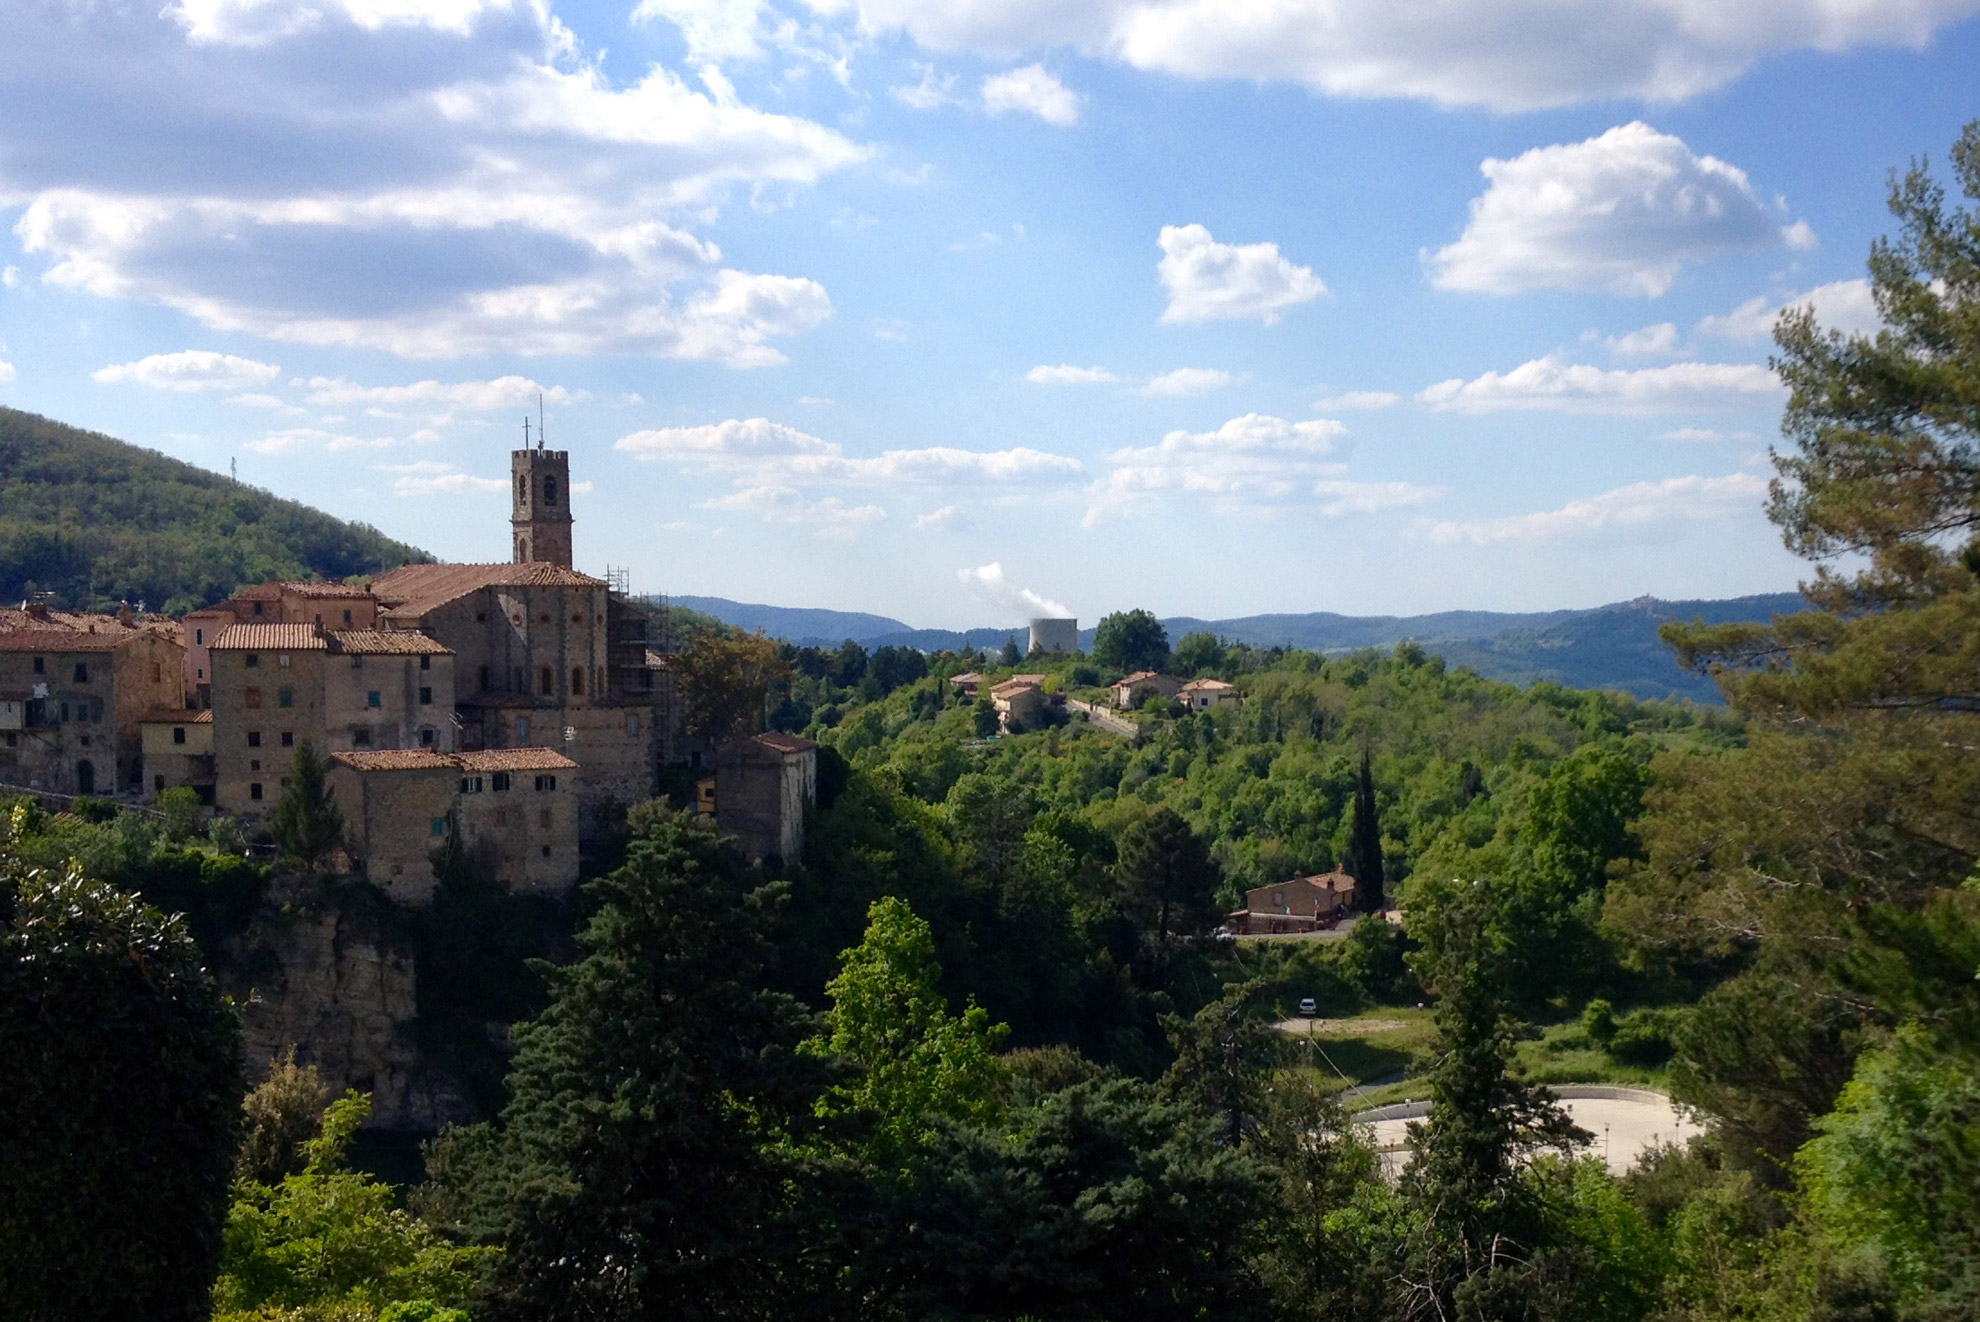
(439, 826)
(425, 662)
(577, 681)
(178, 734)
(41, 665)
(199, 674)
(283, 659)
(546, 851)
(288, 738)
(253, 659)
(254, 764)
(357, 662)
(632, 724)
(257, 611)
(546, 783)
(254, 789)
(158, 784)
(254, 738)
(347, 619)
(285, 697)
(501, 782)
(199, 637)
(522, 728)
(546, 682)
(82, 672)
(549, 491)
(426, 737)
(544, 618)
(481, 617)
(426, 697)
(361, 737)
(372, 699)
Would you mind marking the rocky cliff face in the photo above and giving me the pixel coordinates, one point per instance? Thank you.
(334, 979)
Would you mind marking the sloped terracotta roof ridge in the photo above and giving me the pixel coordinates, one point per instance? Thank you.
(483, 760)
(271, 637)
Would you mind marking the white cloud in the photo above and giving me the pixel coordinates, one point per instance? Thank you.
(931, 91)
(1658, 340)
(773, 454)
(1034, 91)
(6, 370)
(190, 369)
(1185, 382)
(429, 477)
(473, 396)
(1703, 435)
(1339, 496)
(11, 277)
(1510, 55)
(1621, 212)
(950, 518)
(1357, 400)
(715, 30)
(1212, 281)
(299, 440)
(1693, 498)
(272, 403)
(1065, 374)
(829, 517)
(1845, 305)
(488, 187)
(1250, 462)
(1555, 385)
(990, 581)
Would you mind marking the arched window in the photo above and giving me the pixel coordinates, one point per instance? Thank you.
(522, 489)
(549, 491)
(577, 681)
(546, 682)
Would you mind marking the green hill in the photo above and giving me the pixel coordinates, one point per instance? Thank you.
(97, 521)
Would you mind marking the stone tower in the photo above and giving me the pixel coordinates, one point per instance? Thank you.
(542, 518)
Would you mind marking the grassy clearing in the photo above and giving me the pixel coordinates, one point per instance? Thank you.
(1375, 1045)
(1564, 1054)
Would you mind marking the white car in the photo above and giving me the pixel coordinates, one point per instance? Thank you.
(1307, 1008)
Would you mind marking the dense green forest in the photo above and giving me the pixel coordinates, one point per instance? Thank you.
(983, 1053)
(96, 521)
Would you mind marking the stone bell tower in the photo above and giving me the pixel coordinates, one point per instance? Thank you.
(542, 495)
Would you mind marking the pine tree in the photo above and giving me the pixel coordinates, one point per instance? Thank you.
(307, 826)
(1364, 851)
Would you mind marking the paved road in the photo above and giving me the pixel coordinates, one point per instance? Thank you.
(1624, 1129)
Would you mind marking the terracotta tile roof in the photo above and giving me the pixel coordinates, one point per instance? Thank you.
(398, 642)
(1207, 686)
(176, 716)
(515, 759)
(412, 590)
(271, 638)
(398, 759)
(45, 639)
(81, 621)
(967, 677)
(1029, 679)
(1138, 677)
(276, 589)
(1010, 688)
(784, 743)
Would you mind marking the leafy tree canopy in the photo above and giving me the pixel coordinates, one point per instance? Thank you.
(1131, 640)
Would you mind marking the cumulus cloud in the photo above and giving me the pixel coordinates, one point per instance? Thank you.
(771, 453)
(1252, 462)
(1356, 400)
(6, 370)
(312, 440)
(1034, 91)
(1187, 381)
(1212, 281)
(1660, 339)
(431, 179)
(950, 518)
(10, 277)
(1691, 498)
(1017, 602)
(1845, 305)
(714, 30)
(190, 369)
(471, 396)
(828, 517)
(430, 477)
(931, 91)
(1065, 374)
(1511, 55)
(1553, 384)
(1703, 435)
(1622, 212)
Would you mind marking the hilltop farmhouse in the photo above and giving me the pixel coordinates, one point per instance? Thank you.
(514, 709)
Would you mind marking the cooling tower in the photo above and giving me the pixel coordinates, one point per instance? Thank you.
(1055, 635)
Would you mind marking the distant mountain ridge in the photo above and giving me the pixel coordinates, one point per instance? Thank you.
(1607, 647)
(96, 520)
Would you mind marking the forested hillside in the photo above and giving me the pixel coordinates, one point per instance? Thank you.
(97, 521)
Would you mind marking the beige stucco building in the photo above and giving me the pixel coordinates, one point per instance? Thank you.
(74, 689)
(178, 752)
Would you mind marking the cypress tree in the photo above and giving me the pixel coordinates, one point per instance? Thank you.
(307, 826)
(1364, 851)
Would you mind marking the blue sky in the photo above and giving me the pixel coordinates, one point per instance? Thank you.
(948, 309)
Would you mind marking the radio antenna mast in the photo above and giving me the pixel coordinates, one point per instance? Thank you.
(539, 419)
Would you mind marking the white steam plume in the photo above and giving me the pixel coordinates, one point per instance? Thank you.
(989, 580)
